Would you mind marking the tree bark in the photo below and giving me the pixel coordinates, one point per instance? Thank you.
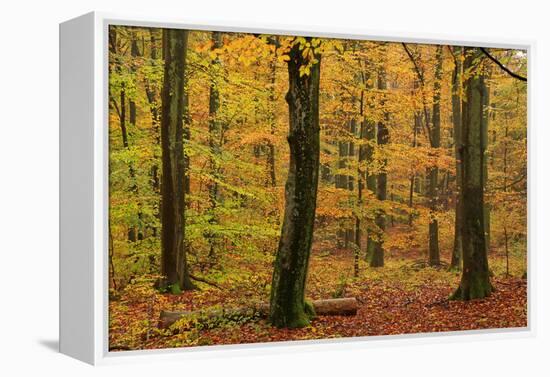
(456, 258)
(272, 117)
(416, 126)
(433, 240)
(370, 178)
(135, 232)
(287, 304)
(485, 141)
(377, 258)
(174, 256)
(152, 99)
(475, 281)
(214, 141)
(361, 174)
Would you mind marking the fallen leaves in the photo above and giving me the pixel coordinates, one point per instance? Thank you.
(393, 300)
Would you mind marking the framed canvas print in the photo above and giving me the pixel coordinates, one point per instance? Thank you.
(226, 186)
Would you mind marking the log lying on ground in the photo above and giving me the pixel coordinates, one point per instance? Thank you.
(336, 306)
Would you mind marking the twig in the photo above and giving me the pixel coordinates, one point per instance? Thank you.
(203, 280)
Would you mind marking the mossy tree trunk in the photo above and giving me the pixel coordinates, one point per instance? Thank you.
(287, 304)
(433, 174)
(456, 258)
(475, 281)
(174, 256)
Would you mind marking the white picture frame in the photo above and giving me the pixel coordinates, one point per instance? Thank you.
(84, 190)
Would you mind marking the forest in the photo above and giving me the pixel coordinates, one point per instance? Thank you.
(270, 188)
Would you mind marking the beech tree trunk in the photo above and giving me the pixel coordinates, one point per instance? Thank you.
(287, 304)
(475, 281)
(135, 232)
(456, 258)
(174, 256)
(361, 174)
(371, 179)
(433, 175)
(214, 141)
(272, 181)
(152, 99)
(377, 258)
(416, 127)
(485, 141)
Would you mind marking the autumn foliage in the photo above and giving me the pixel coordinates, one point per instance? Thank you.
(234, 120)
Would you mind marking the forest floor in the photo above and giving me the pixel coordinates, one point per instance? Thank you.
(403, 297)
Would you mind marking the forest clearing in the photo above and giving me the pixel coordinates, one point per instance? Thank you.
(262, 171)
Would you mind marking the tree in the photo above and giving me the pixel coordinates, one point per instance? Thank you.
(456, 258)
(377, 257)
(371, 137)
(174, 255)
(475, 281)
(435, 139)
(214, 140)
(287, 304)
(135, 232)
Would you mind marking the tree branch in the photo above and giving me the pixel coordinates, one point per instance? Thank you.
(494, 60)
(203, 280)
(421, 78)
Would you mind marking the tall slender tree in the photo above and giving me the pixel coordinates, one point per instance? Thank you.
(433, 174)
(174, 255)
(136, 231)
(214, 141)
(287, 303)
(456, 258)
(377, 257)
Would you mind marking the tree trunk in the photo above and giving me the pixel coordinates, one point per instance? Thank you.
(433, 240)
(456, 258)
(416, 127)
(371, 178)
(485, 141)
(377, 258)
(362, 156)
(135, 232)
(155, 122)
(272, 117)
(341, 182)
(475, 281)
(505, 171)
(287, 304)
(174, 256)
(214, 141)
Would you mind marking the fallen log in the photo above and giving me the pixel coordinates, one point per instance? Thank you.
(336, 306)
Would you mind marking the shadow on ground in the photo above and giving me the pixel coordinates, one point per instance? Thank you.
(52, 345)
